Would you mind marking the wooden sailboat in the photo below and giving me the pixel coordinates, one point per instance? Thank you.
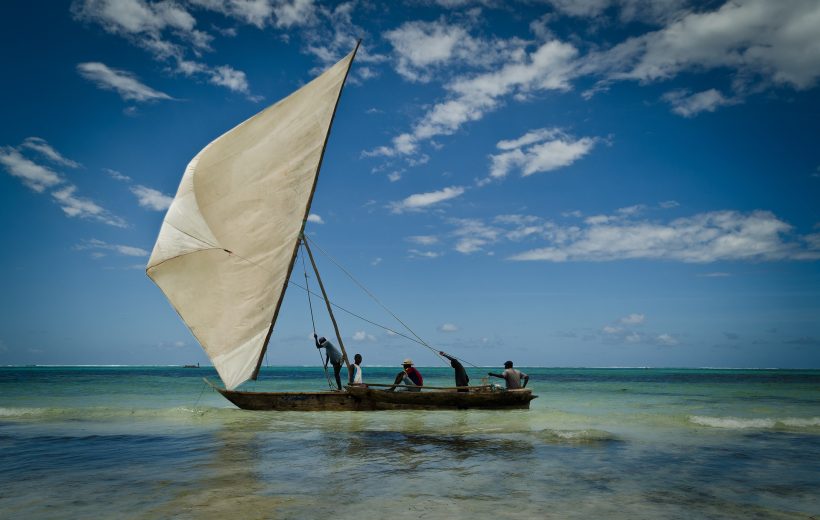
(227, 247)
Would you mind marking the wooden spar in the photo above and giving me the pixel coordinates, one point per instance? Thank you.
(329, 308)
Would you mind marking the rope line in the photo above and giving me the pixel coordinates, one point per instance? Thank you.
(312, 321)
(385, 327)
(363, 288)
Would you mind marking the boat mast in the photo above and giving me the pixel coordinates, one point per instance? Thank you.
(327, 302)
(302, 231)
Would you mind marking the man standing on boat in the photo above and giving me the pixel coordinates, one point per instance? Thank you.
(408, 376)
(333, 356)
(462, 379)
(512, 376)
(356, 375)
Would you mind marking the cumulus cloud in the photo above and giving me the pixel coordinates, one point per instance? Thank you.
(150, 198)
(122, 82)
(361, 335)
(168, 31)
(472, 235)
(40, 178)
(98, 246)
(633, 319)
(687, 104)
(316, 219)
(422, 49)
(227, 76)
(416, 253)
(84, 208)
(702, 238)
(760, 41)
(40, 145)
(117, 176)
(34, 176)
(448, 327)
(757, 236)
(421, 201)
(261, 13)
(549, 67)
(538, 151)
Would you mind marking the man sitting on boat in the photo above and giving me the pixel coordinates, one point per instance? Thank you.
(333, 356)
(512, 376)
(462, 379)
(409, 376)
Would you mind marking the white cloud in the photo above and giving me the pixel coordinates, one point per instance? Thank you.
(150, 198)
(40, 145)
(122, 82)
(609, 329)
(472, 235)
(759, 40)
(549, 67)
(114, 174)
(40, 178)
(423, 240)
(420, 201)
(227, 76)
(34, 176)
(448, 327)
(702, 238)
(316, 219)
(74, 206)
(361, 335)
(259, 13)
(416, 253)
(666, 339)
(689, 105)
(99, 245)
(335, 36)
(168, 31)
(633, 319)
(425, 49)
(538, 151)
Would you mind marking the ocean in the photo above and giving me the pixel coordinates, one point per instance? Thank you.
(156, 442)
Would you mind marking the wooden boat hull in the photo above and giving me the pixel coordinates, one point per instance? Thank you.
(442, 400)
(368, 399)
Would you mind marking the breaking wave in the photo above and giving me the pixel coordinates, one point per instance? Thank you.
(763, 423)
(576, 436)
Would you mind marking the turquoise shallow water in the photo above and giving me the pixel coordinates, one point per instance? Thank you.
(155, 442)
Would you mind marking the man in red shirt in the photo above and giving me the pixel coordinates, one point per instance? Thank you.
(409, 376)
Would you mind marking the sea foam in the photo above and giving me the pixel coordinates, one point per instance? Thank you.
(763, 423)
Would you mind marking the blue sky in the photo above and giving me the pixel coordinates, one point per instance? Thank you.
(561, 183)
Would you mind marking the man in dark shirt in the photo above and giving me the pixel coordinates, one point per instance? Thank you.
(462, 379)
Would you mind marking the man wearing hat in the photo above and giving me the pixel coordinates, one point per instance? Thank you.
(408, 376)
(512, 376)
(333, 356)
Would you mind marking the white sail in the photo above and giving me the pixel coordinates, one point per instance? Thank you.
(227, 244)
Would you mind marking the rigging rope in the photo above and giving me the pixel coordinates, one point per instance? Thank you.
(363, 288)
(312, 320)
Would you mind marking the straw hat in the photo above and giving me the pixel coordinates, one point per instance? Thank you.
(407, 361)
